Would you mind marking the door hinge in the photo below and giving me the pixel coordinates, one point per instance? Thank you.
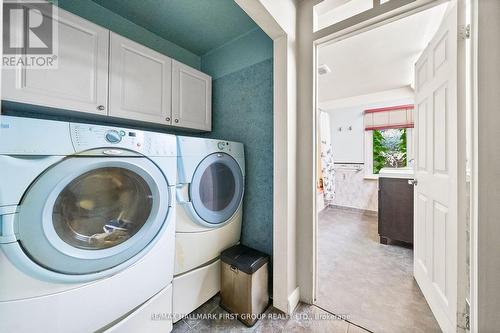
(182, 193)
(464, 322)
(9, 230)
(464, 31)
(467, 315)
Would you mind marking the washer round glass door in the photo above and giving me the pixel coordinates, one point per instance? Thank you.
(89, 214)
(216, 189)
(102, 208)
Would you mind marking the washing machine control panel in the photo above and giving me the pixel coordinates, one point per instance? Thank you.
(86, 137)
(113, 136)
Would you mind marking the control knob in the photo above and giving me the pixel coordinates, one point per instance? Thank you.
(113, 136)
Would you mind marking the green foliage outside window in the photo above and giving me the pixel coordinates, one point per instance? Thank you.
(389, 149)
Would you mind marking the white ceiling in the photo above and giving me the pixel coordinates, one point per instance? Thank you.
(379, 59)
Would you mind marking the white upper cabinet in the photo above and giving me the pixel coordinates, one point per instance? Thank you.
(191, 98)
(140, 82)
(80, 82)
(143, 84)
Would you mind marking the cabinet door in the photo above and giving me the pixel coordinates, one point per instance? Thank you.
(80, 81)
(395, 213)
(140, 82)
(191, 98)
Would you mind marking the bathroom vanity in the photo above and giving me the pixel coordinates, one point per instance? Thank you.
(395, 205)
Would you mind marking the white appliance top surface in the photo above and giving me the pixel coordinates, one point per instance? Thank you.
(405, 173)
(191, 146)
(30, 136)
(85, 137)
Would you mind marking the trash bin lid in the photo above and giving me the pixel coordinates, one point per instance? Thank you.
(244, 258)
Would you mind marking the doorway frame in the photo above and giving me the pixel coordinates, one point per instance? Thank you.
(328, 36)
(295, 42)
(281, 30)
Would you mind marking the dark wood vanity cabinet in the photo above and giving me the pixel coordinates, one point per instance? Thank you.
(395, 210)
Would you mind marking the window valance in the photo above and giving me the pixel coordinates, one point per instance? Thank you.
(400, 116)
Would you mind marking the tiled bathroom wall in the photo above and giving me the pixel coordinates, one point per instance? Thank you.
(352, 190)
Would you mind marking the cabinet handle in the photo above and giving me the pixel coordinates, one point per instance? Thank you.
(167, 119)
(176, 120)
(100, 108)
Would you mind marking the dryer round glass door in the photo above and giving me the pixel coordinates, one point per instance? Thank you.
(216, 189)
(90, 214)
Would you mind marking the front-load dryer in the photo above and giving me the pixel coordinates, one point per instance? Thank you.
(87, 222)
(211, 183)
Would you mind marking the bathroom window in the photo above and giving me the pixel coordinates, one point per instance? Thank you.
(389, 149)
(388, 138)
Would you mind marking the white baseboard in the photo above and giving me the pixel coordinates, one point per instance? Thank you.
(293, 300)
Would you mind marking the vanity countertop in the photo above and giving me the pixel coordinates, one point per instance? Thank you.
(404, 173)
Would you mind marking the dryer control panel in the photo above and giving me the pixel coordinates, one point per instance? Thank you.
(191, 146)
(86, 137)
(224, 145)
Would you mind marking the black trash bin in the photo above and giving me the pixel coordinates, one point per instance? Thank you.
(244, 282)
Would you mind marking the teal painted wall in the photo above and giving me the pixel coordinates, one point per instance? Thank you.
(243, 111)
(104, 17)
(196, 25)
(248, 49)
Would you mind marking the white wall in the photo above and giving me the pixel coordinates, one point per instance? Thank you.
(487, 170)
(285, 63)
(325, 127)
(347, 133)
(306, 145)
(353, 190)
(349, 145)
(278, 20)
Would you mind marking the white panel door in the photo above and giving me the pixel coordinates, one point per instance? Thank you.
(140, 82)
(79, 83)
(436, 193)
(191, 98)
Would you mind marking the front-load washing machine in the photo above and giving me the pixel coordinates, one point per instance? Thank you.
(86, 227)
(211, 182)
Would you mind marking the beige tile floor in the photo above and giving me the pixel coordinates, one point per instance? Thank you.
(306, 318)
(370, 282)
